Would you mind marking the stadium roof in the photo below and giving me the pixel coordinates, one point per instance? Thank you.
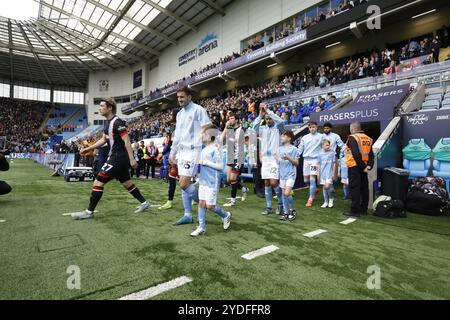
(70, 38)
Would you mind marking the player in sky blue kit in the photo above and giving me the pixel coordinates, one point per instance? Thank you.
(211, 166)
(336, 143)
(289, 156)
(269, 135)
(335, 139)
(187, 147)
(343, 173)
(310, 146)
(327, 159)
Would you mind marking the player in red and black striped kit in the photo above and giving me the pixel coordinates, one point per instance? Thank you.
(120, 158)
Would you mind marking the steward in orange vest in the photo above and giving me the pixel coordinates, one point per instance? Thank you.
(360, 155)
(360, 160)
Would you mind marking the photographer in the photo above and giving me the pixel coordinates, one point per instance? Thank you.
(4, 166)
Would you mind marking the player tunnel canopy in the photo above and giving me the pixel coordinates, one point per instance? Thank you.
(369, 106)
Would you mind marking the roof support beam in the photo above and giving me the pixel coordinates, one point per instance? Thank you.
(56, 43)
(215, 6)
(50, 52)
(79, 36)
(28, 69)
(34, 54)
(11, 60)
(171, 14)
(136, 23)
(67, 41)
(93, 25)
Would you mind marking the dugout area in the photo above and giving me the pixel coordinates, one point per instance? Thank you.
(119, 252)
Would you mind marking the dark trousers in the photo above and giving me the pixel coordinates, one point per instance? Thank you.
(152, 167)
(258, 183)
(141, 169)
(4, 188)
(359, 190)
(172, 188)
(136, 172)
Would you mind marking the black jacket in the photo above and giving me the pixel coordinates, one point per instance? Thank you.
(353, 145)
(4, 165)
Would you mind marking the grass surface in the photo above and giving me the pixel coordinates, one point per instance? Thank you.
(120, 252)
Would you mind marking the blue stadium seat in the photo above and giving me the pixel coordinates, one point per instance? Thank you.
(431, 104)
(417, 168)
(441, 163)
(434, 96)
(446, 103)
(417, 158)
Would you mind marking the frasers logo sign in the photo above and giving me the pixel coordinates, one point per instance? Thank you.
(378, 96)
(208, 43)
(351, 115)
(417, 120)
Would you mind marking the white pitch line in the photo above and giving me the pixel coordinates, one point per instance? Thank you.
(155, 206)
(348, 221)
(1, 221)
(160, 288)
(232, 198)
(314, 233)
(260, 252)
(69, 214)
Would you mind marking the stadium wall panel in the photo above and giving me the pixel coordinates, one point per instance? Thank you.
(389, 34)
(120, 83)
(242, 20)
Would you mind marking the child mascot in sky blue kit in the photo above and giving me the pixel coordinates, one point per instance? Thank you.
(310, 146)
(211, 166)
(326, 168)
(289, 160)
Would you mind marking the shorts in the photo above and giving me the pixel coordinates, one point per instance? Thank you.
(289, 183)
(326, 181)
(188, 163)
(235, 167)
(270, 170)
(310, 167)
(114, 169)
(207, 194)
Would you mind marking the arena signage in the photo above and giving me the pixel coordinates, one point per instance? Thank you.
(208, 43)
(370, 106)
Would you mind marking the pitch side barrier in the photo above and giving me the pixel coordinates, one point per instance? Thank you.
(59, 162)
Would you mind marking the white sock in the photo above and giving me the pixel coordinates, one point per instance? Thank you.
(188, 214)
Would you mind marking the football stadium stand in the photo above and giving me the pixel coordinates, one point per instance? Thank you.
(382, 66)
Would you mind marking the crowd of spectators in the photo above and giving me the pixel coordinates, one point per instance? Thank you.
(20, 121)
(288, 30)
(244, 102)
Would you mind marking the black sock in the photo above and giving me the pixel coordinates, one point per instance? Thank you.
(234, 188)
(96, 195)
(134, 191)
(172, 187)
(240, 186)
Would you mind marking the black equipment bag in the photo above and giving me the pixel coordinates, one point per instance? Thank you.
(428, 196)
(390, 209)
